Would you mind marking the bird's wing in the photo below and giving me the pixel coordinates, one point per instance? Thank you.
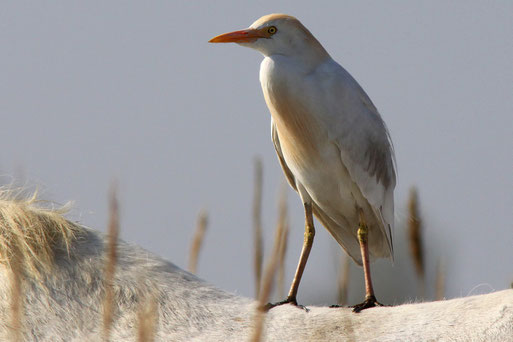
(356, 128)
(276, 142)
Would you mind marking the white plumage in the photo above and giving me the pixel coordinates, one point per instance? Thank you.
(352, 162)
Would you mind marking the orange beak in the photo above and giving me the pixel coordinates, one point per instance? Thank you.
(242, 36)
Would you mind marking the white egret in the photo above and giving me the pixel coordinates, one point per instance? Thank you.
(332, 144)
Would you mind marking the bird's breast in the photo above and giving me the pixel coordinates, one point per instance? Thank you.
(292, 107)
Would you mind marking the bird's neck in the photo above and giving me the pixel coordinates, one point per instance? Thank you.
(315, 54)
(306, 60)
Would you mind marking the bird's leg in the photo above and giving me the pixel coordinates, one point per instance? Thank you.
(363, 238)
(307, 246)
(305, 252)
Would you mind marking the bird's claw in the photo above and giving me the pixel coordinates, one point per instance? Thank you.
(291, 301)
(369, 302)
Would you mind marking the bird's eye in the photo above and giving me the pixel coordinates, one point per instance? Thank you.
(271, 30)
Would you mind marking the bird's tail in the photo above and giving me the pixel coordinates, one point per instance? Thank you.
(346, 236)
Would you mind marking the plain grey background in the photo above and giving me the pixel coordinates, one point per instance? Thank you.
(93, 91)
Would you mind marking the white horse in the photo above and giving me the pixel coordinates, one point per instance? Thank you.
(52, 288)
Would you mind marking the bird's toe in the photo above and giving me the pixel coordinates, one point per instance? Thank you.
(369, 302)
(291, 301)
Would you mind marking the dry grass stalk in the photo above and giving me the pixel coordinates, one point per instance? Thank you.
(415, 236)
(343, 279)
(283, 224)
(440, 281)
(147, 316)
(267, 285)
(257, 225)
(110, 265)
(197, 241)
(16, 305)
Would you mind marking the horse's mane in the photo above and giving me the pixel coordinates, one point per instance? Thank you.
(31, 230)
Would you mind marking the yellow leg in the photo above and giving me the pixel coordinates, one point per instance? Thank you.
(363, 239)
(305, 252)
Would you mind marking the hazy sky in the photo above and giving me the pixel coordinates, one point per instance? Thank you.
(94, 90)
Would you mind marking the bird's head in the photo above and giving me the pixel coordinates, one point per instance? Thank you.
(277, 34)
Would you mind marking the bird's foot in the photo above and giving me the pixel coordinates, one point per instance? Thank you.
(369, 302)
(289, 300)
